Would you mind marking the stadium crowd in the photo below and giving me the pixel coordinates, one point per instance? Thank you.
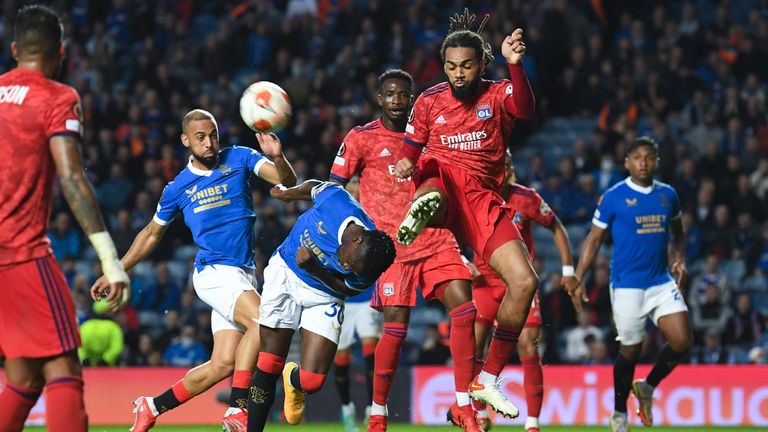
(692, 77)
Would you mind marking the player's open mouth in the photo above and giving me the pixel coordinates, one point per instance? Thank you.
(459, 84)
(398, 112)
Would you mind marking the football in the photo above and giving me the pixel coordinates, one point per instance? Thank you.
(265, 107)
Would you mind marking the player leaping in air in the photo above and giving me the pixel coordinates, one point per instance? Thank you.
(432, 262)
(644, 217)
(463, 126)
(333, 251)
(488, 289)
(213, 193)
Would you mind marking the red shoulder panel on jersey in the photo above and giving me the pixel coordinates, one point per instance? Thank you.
(366, 127)
(439, 88)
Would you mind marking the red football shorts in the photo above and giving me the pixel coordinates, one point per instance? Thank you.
(477, 216)
(487, 295)
(37, 313)
(397, 286)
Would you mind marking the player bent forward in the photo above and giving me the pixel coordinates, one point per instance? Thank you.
(333, 251)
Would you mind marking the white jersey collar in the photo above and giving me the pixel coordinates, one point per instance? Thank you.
(636, 187)
(198, 171)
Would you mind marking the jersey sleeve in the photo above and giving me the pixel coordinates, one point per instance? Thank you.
(166, 208)
(604, 213)
(540, 211)
(417, 131)
(357, 283)
(325, 191)
(64, 116)
(252, 158)
(349, 159)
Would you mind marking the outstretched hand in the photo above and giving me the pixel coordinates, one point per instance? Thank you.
(270, 144)
(576, 290)
(513, 48)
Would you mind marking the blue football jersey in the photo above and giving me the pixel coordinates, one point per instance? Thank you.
(217, 207)
(639, 219)
(320, 229)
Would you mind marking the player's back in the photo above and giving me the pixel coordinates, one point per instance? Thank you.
(32, 110)
(470, 134)
(370, 151)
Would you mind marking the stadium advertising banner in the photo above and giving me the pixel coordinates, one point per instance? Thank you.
(691, 395)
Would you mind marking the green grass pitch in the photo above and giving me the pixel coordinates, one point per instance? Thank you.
(315, 427)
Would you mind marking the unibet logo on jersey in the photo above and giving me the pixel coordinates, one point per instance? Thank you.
(464, 141)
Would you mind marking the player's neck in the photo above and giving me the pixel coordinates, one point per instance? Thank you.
(392, 125)
(640, 182)
(37, 65)
(202, 166)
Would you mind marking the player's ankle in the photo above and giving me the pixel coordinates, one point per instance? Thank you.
(531, 422)
(377, 409)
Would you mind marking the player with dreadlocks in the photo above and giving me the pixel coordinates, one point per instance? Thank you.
(454, 148)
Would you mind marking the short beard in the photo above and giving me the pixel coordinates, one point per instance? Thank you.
(209, 163)
(467, 92)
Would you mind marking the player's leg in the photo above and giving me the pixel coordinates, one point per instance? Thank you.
(510, 261)
(341, 362)
(22, 387)
(369, 351)
(386, 361)
(533, 377)
(65, 408)
(629, 319)
(246, 315)
(670, 315)
(368, 329)
(487, 299)
(226, 337)
(275, 344)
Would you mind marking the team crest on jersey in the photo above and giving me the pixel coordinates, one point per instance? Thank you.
(190, 191)
(517, 218)
(664, 200)
(483, 111)
(225, 169)
(631, 202)
(320, 228)
(389, 289)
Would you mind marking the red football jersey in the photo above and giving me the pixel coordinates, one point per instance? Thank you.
(369, 151)
(32, 110)
(469, 134)
(529, 207)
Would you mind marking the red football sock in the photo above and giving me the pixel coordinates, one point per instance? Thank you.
(386, 359)
(533, 382)
(462, 344)
(15, 403)
(241, 385)
(503, 345)
(64, 406)
(477, 405)
(181, 392)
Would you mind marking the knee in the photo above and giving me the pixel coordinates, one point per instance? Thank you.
(529, 283)
(222, 367)
(683, 344)
(311, 382)
(527, 347)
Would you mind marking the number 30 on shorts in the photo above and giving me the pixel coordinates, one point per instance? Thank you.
(336, 310)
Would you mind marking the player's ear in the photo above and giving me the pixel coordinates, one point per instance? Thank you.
(378, 98)
(185, 140)
(14, 51)
(62, 50)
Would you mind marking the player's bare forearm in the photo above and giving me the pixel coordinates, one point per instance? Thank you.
(589, 250)
(332, 281)
(302, 192)
(285, 171)
(678, 238)
(79, 194)
(562, 242)
(143, 245)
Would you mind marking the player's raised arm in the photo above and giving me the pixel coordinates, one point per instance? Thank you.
(302, 192)
(82, 200)
(279, 170)
(521, 102)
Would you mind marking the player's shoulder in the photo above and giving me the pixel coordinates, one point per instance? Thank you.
(618, 188)
(663, 187)
(523, 191)
(359, 132)
(368, 127)
(435, 90)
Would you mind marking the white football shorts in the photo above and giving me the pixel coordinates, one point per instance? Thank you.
(220, 286)
(632, 306)
(288, 302)
(359, 319)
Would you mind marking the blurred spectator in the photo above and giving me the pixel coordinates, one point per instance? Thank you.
(433, 351)
(597, 352)
(576, 349)
(114, 192)
(712, 352)
(102, 338)
(746, 326)
(711, 313)
(122, 232)
(606, 175)
(65, 238)
(185, 351)
(140, 356)
(711, 275)
(168, 290)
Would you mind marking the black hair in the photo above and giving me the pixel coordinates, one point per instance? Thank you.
(38, 30)
(640, 142)
(395, 74)
(460, 34)
(379, 253)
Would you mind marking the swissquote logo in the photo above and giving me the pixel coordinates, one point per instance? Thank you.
(464, 141)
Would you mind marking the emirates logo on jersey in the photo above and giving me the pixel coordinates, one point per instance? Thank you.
(464, 141)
